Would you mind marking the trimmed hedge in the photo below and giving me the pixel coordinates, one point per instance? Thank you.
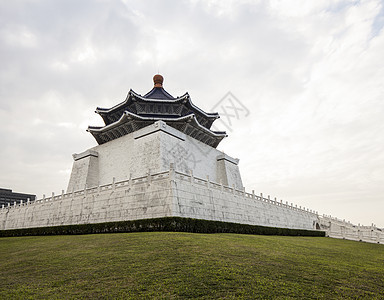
(176, 224)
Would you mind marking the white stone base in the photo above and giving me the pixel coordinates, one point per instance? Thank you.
(166, 194)
(151, 149)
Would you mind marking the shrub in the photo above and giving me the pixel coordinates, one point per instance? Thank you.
(176, 224)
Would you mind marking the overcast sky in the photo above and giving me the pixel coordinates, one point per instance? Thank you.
(308, 76)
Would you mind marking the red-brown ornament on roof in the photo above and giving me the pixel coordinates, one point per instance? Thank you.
(158, 80)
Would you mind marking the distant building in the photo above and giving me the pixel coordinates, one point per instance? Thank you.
(7, 196)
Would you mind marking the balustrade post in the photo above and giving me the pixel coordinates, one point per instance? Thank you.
(191, 176)
(149, 177)
(171, 171)
(359, 232)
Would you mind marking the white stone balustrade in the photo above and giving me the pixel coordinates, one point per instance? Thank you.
(98, 204)
(342, 229)
(174, 193)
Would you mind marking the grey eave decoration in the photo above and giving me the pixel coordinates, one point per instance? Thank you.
(140, 105)
(130, 122)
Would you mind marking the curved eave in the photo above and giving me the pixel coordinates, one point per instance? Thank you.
(110, 115)
(135, 122)
(131, 97)
(213, 116)
(186, 99)
(100, 110)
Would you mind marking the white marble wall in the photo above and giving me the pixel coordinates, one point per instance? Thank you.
(202, 199)
(163, 194)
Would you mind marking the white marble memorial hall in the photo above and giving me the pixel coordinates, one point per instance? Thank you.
(156, 157)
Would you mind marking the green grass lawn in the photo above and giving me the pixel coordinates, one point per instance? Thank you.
(186, 265)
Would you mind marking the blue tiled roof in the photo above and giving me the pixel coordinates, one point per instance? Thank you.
(158, 93)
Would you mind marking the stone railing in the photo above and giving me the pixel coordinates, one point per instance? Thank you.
(333, 227)
(93, 190)
(219, 186)
(342, 229)
(170, 175)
